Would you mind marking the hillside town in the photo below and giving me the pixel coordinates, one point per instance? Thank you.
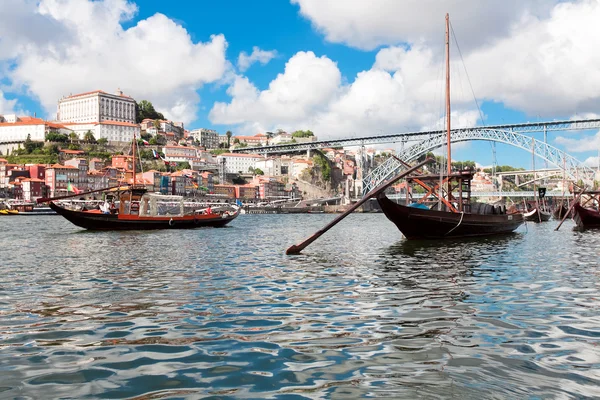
(88, 147)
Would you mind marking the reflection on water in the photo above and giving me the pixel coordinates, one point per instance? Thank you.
(363, 313)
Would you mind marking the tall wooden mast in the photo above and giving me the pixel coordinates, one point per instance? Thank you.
(448, 92)
(133, 147)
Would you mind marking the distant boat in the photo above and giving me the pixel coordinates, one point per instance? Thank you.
(24, 209)
(560, 211)
(456, 220)
(537, 215)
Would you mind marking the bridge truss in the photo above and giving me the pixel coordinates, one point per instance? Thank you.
(574, 168)
(529, 127)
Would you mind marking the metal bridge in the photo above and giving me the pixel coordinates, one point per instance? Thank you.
(523, 194)
(574, 168)
(529, 127)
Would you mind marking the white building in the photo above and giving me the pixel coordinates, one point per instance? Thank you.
(97, 106)
(113, 131)
(238, 163)
(207, 138)
(16, 129)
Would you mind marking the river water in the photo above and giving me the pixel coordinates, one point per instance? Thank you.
(362, 313)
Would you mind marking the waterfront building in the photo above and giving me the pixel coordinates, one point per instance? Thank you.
(247, 192)
(58, 178)
(97, 164)
(82, 166)
(32, 189)
(236, 163)
(225, 191)
(97, 180)
(207, 138)
(271, 189)
(207, 180)
(97, 106)
(36, 171)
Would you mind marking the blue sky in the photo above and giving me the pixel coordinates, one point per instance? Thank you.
(352, 69)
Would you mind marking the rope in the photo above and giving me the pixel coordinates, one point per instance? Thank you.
(462, 214)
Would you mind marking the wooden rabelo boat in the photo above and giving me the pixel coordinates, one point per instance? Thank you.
(141, 210)
(560, 211)
(537, 215)
(456, 217)
(587, 218)
(138, 209)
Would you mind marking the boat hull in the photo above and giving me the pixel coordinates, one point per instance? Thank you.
(99, 221)
(537, 215)
(417, 223)
(586, 218)
(560, 212)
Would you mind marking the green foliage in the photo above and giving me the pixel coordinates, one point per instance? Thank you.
(183, 165)
(216, 152)
(102, 141)
(33, 159)
(157, 140)
(236, 140)
(145, 109)
(73, 136)
(56, 137)
(323, 163)
(89, 137)
(103, 155)
(74, 146)
(146, 155)
(258, 171)
(241, 145)
(302, 134)
(228, 134)
(30, 146)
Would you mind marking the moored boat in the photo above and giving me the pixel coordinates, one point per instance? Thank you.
(423, 223)
(455, 217)
(537, 215)
(560, 211)
(139, 210)
(586, 218)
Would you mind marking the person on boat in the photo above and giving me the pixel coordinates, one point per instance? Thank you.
(209, 210)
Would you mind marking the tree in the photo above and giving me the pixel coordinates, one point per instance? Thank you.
(73, 136)
(30, 146)
(183, 165)
(89, 137)
(303, 134)
(145, 109)
(236, 141)
(56, 137)
(228, 134)
(102, 141)
(156, 124)
(269, 136)
(258, 171)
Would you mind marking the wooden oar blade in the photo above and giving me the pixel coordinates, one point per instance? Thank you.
(296, 249)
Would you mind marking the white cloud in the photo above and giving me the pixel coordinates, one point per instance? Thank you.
(155, 59)
(258, 55)
(540, 64)
(368, 24)
(581, 145)
(591, 162)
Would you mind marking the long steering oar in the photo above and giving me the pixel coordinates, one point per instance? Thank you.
(570, 209)
(297, 248)
(47, 199)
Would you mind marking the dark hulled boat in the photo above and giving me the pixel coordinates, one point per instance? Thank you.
(560, 211)
(456, 220)
(423, 223)
(537, 215)
(586, 218)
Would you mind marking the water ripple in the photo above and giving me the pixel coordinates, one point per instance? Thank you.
(223, 313)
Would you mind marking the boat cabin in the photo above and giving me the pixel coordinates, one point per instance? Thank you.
(455, 194)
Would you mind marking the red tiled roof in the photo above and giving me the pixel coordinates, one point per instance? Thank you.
(67, 151)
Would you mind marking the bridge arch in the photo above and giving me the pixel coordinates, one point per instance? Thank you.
(574, 168)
